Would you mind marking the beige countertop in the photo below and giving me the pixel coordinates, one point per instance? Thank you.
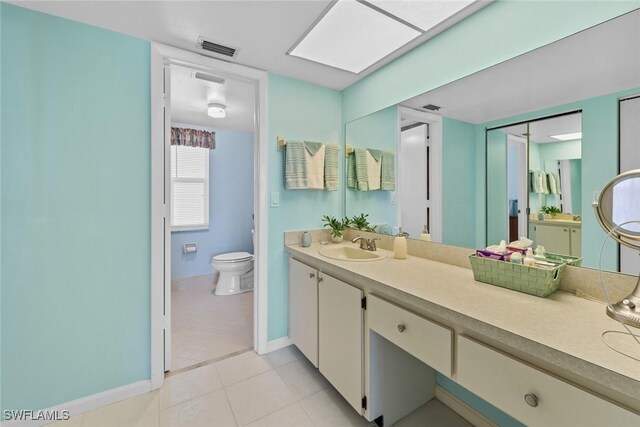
(561, 333)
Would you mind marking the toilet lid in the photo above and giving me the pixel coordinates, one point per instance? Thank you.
(233, 256)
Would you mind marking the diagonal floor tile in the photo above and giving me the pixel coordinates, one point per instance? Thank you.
(241, 367)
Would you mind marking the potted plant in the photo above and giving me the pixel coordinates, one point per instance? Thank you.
(550, 211)
(337, 226)
(360, 222)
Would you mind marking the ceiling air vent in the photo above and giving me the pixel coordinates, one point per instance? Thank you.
(207, 77)
(218, 49)
(431, 107)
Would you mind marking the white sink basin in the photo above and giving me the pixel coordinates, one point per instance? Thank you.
(349, 253)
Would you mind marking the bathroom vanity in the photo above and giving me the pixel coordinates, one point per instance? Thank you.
(557, 236)
(380, 330)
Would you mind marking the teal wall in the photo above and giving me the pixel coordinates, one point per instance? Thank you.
(473, 45)
(497, 218)
(576, 185)
(379, 131)
(75, 210)
(458, 174)
(296, 111)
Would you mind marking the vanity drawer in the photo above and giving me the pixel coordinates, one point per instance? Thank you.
(422, 338)
(532, 396)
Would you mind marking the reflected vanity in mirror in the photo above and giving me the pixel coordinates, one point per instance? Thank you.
(495, 147)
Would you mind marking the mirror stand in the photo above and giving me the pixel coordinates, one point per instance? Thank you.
(627, 310)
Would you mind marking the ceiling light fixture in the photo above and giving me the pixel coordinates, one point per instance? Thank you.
(355, 35)
(217, 111)
(567, 136)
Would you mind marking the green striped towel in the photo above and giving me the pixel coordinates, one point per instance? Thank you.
(295, 166)
(351, 171)
(388, 174)
(362, 181)
(331, 161)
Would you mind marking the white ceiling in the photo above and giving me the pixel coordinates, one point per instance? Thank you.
(540, 131)
(598, 61)
(263, 30)
(190, 96)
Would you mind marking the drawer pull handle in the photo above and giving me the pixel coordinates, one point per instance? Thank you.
(401, 327)
(312, 275)
(531, 399)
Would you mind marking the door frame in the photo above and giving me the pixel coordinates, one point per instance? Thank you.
(435, 167)
(161, 56)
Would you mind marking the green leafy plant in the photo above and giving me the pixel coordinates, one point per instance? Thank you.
(337, 226)
(360, 222)
(550, 210)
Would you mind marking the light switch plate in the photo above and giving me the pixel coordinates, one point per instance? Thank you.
(275, 199)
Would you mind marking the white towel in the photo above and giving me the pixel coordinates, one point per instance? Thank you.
(315, 169)
(373, 172)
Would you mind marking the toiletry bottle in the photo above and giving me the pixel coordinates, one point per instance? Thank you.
(529, 260)
(306, 239)
(516, 258)
(540, 253)
(425, 234)
(400, 246)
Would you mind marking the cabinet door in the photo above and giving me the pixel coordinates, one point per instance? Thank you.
(554, 238)
(303, 309)
(341, 338)
(576, 241)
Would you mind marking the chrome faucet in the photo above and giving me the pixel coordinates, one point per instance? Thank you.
(366, 244)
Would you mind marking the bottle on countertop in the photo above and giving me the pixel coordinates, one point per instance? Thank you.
(306, 239)
(425, 234)
(529, 260)
(400, 245)
(516, 258)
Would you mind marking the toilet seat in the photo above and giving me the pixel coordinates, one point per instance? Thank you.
(232, 257)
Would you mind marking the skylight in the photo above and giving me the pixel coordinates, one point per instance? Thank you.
(567, 136)
(354, 35)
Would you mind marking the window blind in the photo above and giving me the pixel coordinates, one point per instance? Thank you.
(189, 187)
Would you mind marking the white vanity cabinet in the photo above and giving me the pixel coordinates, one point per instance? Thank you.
(557, 237)
(340, 335)
(303, 309)
(530, 395)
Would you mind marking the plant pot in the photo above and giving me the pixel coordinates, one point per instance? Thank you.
(336, 239)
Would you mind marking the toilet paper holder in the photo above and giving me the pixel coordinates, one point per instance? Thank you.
(189, 248)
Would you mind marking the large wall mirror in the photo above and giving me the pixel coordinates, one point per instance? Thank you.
(519, 149)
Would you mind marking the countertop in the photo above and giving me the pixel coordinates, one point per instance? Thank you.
(558, 222)
(562, 331)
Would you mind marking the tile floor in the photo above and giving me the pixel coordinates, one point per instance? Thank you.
(206, 326)
(277, 390)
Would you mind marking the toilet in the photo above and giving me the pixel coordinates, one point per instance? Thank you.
(236, 272)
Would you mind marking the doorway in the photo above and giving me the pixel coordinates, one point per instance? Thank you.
(164, 60)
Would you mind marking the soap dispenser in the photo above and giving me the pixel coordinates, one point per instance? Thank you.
(400, 245)
(425, 234)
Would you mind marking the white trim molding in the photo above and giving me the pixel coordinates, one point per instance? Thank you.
(435, 170)
(278, 343)
(162, 55)
(463, 409)
(88, 403)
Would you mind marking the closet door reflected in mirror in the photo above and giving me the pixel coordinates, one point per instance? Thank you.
(534, 183)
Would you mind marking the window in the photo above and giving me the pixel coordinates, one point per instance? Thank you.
(189, 188)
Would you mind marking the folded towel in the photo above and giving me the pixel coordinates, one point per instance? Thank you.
(373, 170)
(388, 174)
(557, 180)
(351, 171)
(331, 161)
(295, 168)
(361, 177)
(314, 156)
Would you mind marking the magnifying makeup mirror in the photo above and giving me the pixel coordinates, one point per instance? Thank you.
(618, 211)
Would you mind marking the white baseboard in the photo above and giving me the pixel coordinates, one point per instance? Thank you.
(201, 281)
(463, 409)
(278, 343)
(88, 403)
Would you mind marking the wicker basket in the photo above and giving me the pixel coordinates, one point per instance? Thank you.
(541, 282)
